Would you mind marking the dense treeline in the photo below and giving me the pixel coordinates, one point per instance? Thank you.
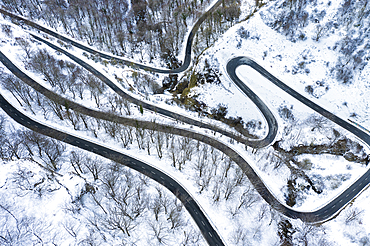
(213, 170)
(118, 201)
(211, 165)
(146, 29)
(142, 30)
(117, 212)
(110, 203)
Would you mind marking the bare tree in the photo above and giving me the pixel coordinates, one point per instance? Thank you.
(96, 88)
(15, 146)
(156, 206)
(353, 214)
(122, 200)
(264, 208)
(118, 219)
(140, 137)
(125, 135)
(7, 30)
(173, 153)
(226, 165)
(14, 230)
(204, 181)
(3, 139)
(57, 109)
(71, 228)
(76, 158)
(158, 143)
(159, 232)
(216, 191)
(240, 236)
(246, 200)
(27, 181)
(229, 188)
(94, 166)
(175, 215)
(25, 45)
(48, 150)
(308, 234)
(202, 160)
(317, 122)
(193, 237)
(74, 118)
(19, 90)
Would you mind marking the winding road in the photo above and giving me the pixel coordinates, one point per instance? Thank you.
(324, 213)
(172, 185)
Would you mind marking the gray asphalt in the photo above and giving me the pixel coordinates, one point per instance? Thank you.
(183, 67)
(320, 215)
(332, 208)
(325, 213)
(255, 143)
(209, 233)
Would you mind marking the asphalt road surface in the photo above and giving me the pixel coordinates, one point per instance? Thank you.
(255, 143)
(332, 208)
(322, 214)
(183, 67)
(209, 233)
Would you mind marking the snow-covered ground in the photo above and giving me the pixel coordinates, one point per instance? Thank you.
(255, 224)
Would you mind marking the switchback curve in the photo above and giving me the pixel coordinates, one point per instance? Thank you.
(327, 211)
(334, 206)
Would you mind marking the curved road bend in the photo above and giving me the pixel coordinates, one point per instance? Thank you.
(183, 67)
(255, 143)
(335, 205)
(128, 121)
(271, 121)
(239, 61)
(191, 206)
(316, 216)
(234, 155)
(322, 214)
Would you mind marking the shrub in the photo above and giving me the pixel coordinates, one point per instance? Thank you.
(286, 113)
(309, 89)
